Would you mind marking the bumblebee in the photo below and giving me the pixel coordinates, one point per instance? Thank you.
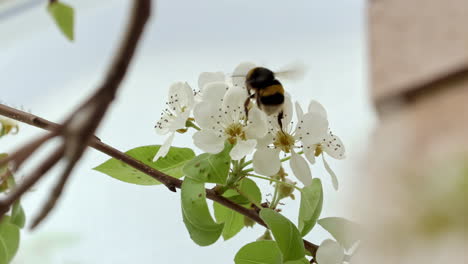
(267, 91)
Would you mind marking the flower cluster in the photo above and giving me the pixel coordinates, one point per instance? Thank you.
(219, 116)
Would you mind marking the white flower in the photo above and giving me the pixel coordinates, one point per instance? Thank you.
(330, 144)
(8, 126)
(309, 130)
(330, 252)
(221, 115)
(174, 117)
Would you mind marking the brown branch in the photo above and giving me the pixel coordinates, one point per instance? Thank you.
(159, 176)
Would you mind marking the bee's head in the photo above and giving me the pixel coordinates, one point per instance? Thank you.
(259, 77)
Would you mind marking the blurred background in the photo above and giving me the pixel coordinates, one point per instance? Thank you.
(102, 220)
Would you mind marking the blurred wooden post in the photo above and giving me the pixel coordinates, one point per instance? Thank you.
(419, 85)
(421, 44)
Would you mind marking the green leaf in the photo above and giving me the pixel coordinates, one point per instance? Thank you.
(9, 239)
(248, 188)
(344, 231)
(233, 221)
(64, 16)
(311, 206)
(286, 234)
(171, 165)
(260, 252)
(212, 168)
(18, 217)
(197, 218)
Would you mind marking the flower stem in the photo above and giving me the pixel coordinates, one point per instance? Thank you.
(289, 157)
(190, 123)
(273, 180)
(245, 164)
(275, 200)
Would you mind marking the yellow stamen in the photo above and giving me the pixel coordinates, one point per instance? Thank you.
(284, 141)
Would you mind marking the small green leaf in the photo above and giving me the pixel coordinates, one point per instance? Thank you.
(64, 16)
(212, 168)
(260, 252)
(344, 231)
(18, 217)
(197, 218)
(286, 234)
(233, 221)
(171, 165)
(9, 239)
(311, 206)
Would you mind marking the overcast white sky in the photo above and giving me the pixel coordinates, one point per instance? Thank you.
(106, 221)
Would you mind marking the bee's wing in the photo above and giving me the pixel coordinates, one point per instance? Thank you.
(293, 71)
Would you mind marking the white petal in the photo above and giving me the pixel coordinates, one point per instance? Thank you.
(240, 72)
(242, 149)
(257, 126)
(179, 121)
(287, 112)
(266, 161)
(207, 111)
(233, 104)
(330, 252)
(214, 93)
(209, 77)
(333, 146)
(309, 153)
(182, 92)
(312, 128)
(316, 107)
(264, 141)
(208, 141)
(164, 149)
(299, 112)
(300, 168)
(331, 172)
(204, 114)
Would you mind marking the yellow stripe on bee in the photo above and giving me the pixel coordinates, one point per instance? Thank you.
(271, 90)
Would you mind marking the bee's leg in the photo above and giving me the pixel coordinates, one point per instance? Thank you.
(246, 104)
(246, 107)
(280, 120)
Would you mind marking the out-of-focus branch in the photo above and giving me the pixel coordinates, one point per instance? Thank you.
(417, 91)
(78, 129)
(159, 176)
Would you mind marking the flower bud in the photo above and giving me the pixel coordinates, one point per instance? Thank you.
(265, 236)
(286, 190)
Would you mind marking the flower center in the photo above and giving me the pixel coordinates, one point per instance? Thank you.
(284, 141)
(234, 131)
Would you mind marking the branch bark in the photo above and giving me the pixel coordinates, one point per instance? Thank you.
(163, 178)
